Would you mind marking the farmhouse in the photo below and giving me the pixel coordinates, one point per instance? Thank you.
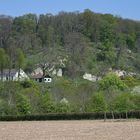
(13, 75)
(37, 75)
(40, 78)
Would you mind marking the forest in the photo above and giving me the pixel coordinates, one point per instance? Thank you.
(86, 42)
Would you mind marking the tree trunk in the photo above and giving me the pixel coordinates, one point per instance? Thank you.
(112, 115)
(126, 115)
(120, 115)
(105, 116)
(19, 73)
(9, 75)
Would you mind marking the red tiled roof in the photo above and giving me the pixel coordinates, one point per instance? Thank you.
(37, 76)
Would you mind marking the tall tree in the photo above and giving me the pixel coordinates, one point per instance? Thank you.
(2, 61)
(5, 30)
(120, 46)
(75, 46)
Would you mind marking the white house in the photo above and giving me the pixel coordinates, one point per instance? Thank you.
(91, 77)
(12, 75)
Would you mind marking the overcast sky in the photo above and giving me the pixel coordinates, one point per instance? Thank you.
(124, 8)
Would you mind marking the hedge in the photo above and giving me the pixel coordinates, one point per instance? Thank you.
(72, 116)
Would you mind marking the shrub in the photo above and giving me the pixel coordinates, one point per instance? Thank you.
(71, 116)
(111, 80)
(97, 103)
(23, 104)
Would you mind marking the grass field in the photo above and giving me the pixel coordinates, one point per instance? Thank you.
(70, 130)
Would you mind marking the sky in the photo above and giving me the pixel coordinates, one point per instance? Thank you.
(124, 8)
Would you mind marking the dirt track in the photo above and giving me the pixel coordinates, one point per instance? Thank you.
(70, 130)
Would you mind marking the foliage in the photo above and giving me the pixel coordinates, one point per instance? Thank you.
(3, 107)
(97, 103)
(136, 101)
(131, 81)
(46, 104)
(123, 103)
(20, 58)
(111, 80)
(23, 104)
(3, 61)
(46, 38)
(63, 107)
(69, 116)
(66, 96)
(78, 43)
(106, 53)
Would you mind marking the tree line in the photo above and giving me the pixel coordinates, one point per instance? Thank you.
(111, 94)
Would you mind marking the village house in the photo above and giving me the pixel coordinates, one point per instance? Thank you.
(37, 75)
(91, 77)
(13, 75)
(40, 78)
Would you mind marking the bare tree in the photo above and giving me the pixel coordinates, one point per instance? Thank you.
(5, 29)
(76, 47)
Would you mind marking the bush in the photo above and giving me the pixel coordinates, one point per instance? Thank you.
(46, 104)
(23, 105)
(123, 103)
(97, 103)
(131, 81)
(111, 80)
(71, 116)
(62, 108)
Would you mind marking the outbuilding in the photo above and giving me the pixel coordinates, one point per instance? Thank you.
(47, 79)
(40, 78)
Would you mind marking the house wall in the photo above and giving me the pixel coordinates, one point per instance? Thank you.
(6, 78)
(23, 76)
(47, 80)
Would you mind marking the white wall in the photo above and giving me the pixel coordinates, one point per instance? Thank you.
(47, 80)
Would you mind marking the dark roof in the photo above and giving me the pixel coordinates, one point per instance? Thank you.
(48, 76)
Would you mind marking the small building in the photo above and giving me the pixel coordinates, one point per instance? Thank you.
(47, 79)
(91, 77)
(37, 77)
(40, 78)
(13, 75)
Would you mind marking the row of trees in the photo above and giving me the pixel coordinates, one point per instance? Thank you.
(114, 95)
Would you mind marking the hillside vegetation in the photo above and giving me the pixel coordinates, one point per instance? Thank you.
(78, 43)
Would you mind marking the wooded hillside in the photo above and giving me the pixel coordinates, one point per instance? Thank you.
(90, 42)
